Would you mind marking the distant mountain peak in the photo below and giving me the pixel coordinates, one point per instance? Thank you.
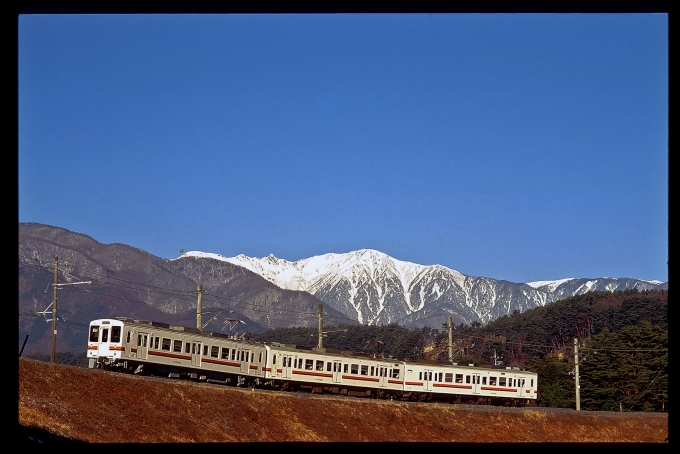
(375, 288)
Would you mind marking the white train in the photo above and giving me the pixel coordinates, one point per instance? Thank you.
(180, 352)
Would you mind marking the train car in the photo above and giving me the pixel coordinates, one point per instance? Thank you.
(335, 371)
(470, 384)
(173, 351)
(145, 347)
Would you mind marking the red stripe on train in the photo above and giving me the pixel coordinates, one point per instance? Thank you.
(354, 377)
(446, 385)
(317, 374)
(169, 355)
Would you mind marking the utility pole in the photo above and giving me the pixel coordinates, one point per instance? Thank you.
(199, 308)
(320, 327)
(578, 386)
(450, 323)
(54, 307)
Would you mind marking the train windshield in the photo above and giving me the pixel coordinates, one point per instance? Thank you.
(108, 334)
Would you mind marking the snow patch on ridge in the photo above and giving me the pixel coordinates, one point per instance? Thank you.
(552, 285)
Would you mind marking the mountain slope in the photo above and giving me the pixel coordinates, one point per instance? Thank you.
(128, 281)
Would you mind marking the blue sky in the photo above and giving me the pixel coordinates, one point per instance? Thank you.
(517, 147)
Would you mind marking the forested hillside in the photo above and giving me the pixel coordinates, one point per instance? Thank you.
(622, 336)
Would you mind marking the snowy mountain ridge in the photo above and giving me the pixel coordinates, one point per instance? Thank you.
(374, 288)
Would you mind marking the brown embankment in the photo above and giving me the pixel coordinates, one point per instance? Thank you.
(59, 402)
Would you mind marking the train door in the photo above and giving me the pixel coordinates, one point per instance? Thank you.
(142, 344)
(337, 371)
(129, 340)
(287, 366)
(245, 361)
(427, 380)
(196, 348)
(258, 360)
(383, 375)
(476, 380)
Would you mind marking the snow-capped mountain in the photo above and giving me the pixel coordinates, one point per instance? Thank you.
(374, 288)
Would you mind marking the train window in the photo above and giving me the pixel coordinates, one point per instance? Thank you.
(105, 335)
(483, 380)
(166, 344)
(467, 379)
(115, 334)
(187, 348)
(345, 367)
(364, 369)
(531, 383)
(94, 333)
(448, 377)
(355, 369)
(156, 341)
(420, 375)
(328, 366)
(319, 365)
(177, 346)
(523, 382)
(501, 381)
(260, 360)
(274, 360)
(395, 373)
(492, 381)
(233, 354)
(214, 351)
(128, 336)
(459, 378)
(205, 350)
(309, 364)
(289, 360)
(225, 353)
(252, 357)
(429, 376)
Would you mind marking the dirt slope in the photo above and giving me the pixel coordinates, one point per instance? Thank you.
(59, 402)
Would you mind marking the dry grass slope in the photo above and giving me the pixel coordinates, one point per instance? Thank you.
(71, 403)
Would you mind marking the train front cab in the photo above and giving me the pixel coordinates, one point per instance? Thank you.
(105, 342)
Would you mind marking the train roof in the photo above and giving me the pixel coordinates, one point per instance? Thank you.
(186, 329)
(329, 351)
